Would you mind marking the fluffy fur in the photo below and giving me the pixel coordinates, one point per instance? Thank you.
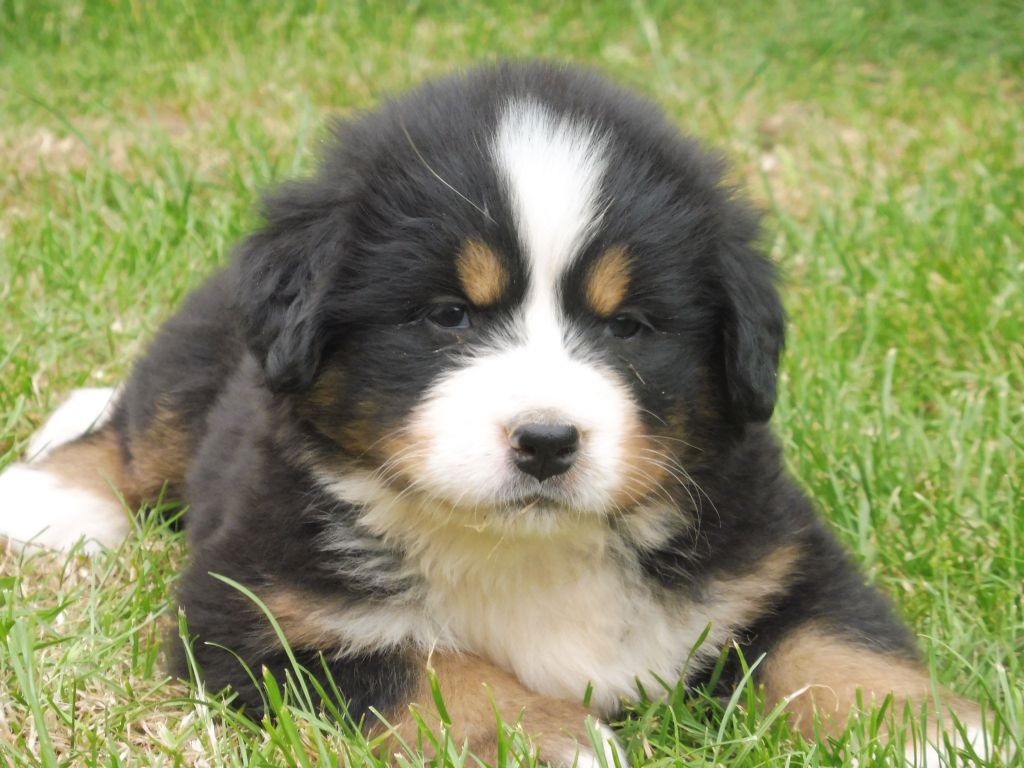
(489, 395)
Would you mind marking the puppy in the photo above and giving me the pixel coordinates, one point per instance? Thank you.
(487, 399)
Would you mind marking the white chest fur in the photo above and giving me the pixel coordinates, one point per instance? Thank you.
(562, 608)
(560, 615)
(561, 605)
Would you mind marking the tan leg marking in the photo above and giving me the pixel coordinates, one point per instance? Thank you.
(820, 673)
(96, 462)
(160, 455)
(481, 273)
(471, 689)
(304, 618)
(608, 281)
(93, 463)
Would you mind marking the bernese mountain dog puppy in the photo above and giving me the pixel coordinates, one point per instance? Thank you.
(485, 405)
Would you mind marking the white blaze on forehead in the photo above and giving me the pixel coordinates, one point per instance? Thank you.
(552, 166)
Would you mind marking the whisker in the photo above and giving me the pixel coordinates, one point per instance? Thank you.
(437, 176)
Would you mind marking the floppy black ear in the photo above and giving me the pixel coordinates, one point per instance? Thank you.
(284, 274)
(754, 328)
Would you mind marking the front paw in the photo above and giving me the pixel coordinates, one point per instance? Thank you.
(595, 746)
(600, 750)
(460, 694)
(972, 737)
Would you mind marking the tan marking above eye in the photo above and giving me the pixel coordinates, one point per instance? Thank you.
(481, 273)
(608, 281)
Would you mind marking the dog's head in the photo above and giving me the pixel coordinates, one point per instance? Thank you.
(517, 290)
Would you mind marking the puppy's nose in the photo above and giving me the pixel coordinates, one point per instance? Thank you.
(544, 450)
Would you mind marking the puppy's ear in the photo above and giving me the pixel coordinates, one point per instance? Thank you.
(283, 276)
(754, 327)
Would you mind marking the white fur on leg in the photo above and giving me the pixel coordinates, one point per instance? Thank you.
(932, 755)
(83, 411)
(604, 739)
(613, 751)
(37, 508)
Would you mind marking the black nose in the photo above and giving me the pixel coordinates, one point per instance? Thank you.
(544, 450)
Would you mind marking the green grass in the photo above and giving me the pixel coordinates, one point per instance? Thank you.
(883, 138)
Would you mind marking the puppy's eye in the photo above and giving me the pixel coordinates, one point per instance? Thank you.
(450, 315)
(624, 326)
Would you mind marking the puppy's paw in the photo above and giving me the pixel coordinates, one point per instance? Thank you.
(974, 739)
(60, 495)
(596, 747)
(559, 733)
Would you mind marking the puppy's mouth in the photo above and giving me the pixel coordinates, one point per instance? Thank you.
(548, 496)
(532, 503)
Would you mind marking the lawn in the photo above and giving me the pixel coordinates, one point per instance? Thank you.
(884, 139)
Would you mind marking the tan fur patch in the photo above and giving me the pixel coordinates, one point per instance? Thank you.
(737, 600)
(303, 617)
(160, 455)
(608, 281)
(483, 277)
(96, 462)
(654, 464)
(657, 462)
(472, 689)
(354, 426)
(766, 578)
(327, 390)
(818, 672)
(648, 471)
(401, 457)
